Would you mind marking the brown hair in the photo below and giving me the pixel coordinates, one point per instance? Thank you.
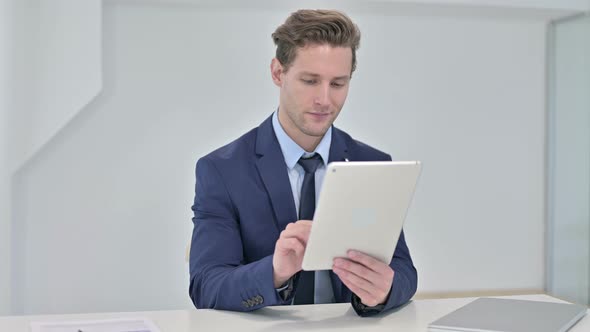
(305, 27)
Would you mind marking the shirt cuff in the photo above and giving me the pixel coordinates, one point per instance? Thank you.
(364, 310)
(286, 291)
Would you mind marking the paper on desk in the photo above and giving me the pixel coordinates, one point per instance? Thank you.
(104, 325)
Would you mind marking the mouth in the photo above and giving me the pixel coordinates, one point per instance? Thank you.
(319, 115)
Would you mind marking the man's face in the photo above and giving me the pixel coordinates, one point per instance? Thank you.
(313, 90)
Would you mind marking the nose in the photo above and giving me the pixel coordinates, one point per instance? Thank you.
(322, 97)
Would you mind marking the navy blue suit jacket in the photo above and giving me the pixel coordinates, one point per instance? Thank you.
(243, 200)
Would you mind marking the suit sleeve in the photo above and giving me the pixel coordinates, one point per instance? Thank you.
(219, 278)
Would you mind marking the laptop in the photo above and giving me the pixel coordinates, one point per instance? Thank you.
(362, 206)
(508, 315)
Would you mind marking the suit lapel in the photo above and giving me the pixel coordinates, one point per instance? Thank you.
(338, 148)
(273, 172)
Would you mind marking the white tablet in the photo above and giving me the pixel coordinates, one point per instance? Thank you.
(362, 206)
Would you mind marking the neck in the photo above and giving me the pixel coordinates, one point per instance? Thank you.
(309, 143)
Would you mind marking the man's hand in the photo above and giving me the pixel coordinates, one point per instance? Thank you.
(289, 251)
(365, 276)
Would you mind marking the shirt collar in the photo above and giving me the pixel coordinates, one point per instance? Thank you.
(292, 151)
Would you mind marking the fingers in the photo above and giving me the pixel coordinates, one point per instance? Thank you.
(368, 261)
(359, 281)
(287, 245)
(360, 271)
(299, 230)
(369, 278)
(366, 297)
(303, 222)
(289, 250)
(286, 259)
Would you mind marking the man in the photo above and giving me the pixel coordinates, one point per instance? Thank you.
(254, 197)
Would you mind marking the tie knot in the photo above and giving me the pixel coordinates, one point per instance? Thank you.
(310, 164)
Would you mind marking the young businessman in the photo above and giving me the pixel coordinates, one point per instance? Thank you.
(255, 197)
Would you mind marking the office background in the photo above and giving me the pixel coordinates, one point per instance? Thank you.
(106, 105)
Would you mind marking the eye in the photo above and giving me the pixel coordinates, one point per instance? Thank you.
(337, 84)
(309, 82)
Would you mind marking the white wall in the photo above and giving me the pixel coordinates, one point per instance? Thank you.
(561, 4)
(102, 213)
(5, 103)
(62, 68)
(569, 192)
(465, 97)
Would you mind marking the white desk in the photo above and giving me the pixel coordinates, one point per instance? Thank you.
(326, 317)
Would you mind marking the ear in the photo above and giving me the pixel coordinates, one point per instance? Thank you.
(276, 72)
